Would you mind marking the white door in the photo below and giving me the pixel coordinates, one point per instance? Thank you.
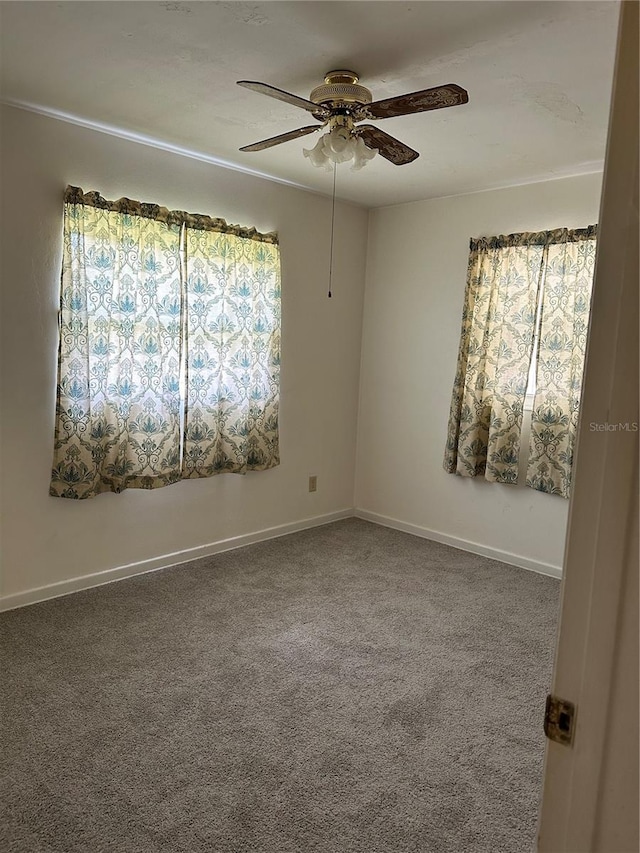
(590, 794)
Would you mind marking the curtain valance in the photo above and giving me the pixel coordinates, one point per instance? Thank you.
(534, 238)
(199, 221)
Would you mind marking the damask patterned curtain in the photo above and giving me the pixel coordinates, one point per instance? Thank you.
(515, 284)
(564, 323)
(132, 297)
(233, 356)
(118, 402)
(498, 324)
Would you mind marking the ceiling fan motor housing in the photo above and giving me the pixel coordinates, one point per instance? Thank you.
(341, 88)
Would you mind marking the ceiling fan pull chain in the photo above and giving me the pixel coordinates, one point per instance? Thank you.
(333, 217)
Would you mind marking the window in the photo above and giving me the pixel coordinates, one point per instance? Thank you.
(524, 332)
(169, 353)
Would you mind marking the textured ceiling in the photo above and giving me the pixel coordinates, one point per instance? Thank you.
(539, 77)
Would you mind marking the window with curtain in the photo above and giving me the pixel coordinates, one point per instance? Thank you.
(169, 356)
(522, 289)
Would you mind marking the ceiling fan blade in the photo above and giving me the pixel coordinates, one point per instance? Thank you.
(387, 146)
(264, 89)
(284, 137)
(436, 98)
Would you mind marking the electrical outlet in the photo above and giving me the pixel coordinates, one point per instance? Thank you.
(313, 483)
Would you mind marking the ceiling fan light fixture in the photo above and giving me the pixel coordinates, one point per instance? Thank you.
(317, 156)
(361, 155)
(339, 145)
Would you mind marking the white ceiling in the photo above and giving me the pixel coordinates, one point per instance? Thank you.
(539, 77)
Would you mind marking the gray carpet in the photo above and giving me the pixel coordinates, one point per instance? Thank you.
(347, 689)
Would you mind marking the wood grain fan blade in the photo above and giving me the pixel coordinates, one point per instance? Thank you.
(287, 97)
(449, 95)
(387, 146)
(284, 137)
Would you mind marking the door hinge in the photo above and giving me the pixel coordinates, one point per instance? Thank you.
(559, 720)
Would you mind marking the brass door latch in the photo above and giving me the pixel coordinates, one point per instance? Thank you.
(559, 720)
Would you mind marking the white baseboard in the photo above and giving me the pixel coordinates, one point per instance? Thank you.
(55, 590)
(462, 544)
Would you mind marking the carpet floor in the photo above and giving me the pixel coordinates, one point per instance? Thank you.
(346, 689)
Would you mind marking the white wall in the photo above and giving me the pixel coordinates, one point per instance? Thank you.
(48, 540)
(416, 275)
(416, 266)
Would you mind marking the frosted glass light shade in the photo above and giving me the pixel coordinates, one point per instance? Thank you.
(339, 146)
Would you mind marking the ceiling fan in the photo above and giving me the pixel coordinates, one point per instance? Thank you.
(340, 104)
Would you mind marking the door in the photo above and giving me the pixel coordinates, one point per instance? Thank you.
(590, 794)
